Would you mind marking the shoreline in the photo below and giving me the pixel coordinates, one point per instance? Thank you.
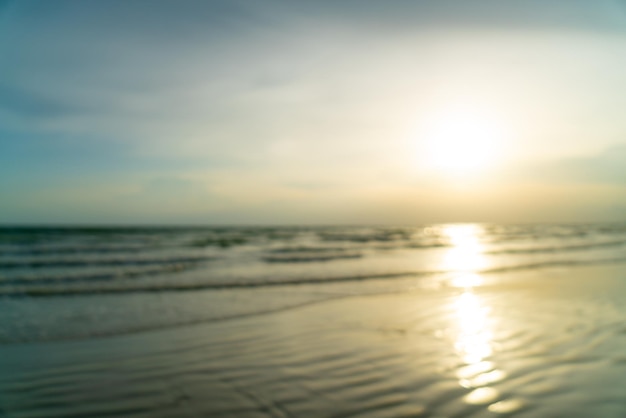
(525, 343)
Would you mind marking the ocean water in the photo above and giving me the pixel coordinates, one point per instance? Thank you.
(458, 320)
(74, 283)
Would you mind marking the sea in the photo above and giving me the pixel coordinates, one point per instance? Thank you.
(60, 283)
(440, 320)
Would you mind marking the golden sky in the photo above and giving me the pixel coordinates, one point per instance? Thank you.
(312, 111)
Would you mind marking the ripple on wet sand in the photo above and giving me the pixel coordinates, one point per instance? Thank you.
(346, 357)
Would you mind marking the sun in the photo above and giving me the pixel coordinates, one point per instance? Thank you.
(462, 141)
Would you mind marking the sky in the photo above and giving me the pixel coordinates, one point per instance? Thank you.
(312, 112)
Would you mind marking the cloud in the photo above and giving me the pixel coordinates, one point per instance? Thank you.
(234, 80)
(35, 106)
(607, 167)
(299, 107)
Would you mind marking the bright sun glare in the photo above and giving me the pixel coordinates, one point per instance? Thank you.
(462, 141)
(465, 256)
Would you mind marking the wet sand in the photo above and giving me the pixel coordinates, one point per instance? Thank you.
(542, 343)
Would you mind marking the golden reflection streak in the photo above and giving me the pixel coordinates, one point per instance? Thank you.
(473, 342)
(465, 257)
(474, 337)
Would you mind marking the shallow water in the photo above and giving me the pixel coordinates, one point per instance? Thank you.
(438, 321)
(59, 283)
(525, 344)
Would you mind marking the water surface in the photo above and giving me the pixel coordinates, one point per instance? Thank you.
(432, 321)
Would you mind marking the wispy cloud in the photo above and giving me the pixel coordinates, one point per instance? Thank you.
(267, 98)
(607, 167)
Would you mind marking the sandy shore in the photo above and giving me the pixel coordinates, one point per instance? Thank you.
(548, 343)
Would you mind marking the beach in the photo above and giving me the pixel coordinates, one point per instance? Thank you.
(312, 209)
(540, 340)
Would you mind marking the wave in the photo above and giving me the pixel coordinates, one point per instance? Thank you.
(34, 263)
(144, 287)
(429, 245)
(75, 250)
(94, 277)
(559, 248)
(177, 287)
(218, 241)
(308, 258)
(365, 236)
(305, 249)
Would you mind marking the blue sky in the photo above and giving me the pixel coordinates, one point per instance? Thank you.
(152, 111)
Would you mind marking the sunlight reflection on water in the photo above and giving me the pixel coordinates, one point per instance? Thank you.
(473, 336)
(466, 253)
(473, 342)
